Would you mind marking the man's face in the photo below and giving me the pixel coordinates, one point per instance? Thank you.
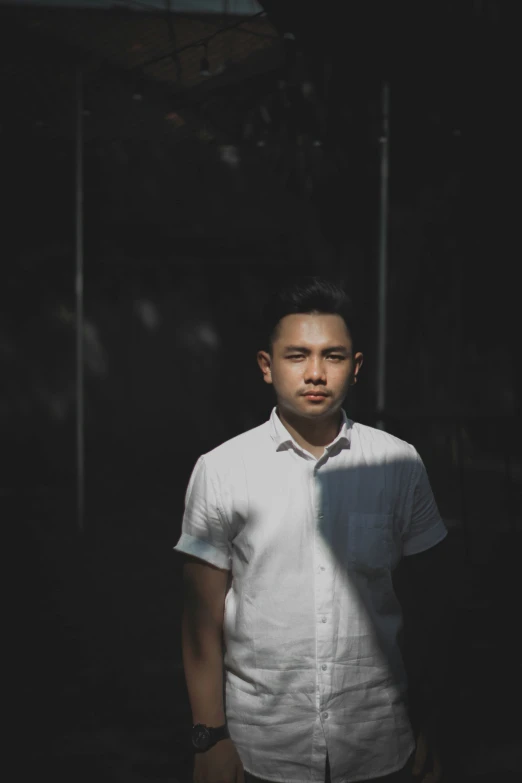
(312, 364)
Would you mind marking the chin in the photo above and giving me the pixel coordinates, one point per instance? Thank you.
(315, 409)
(310, 410)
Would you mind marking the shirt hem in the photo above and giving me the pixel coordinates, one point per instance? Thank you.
(371, 776)
(428, 543)
(382, 773)
(274, 780)
(189, 545)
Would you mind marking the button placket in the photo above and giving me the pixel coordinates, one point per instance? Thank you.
(315, 496)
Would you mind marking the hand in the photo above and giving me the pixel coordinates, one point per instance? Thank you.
(220, 764)
(427, 766)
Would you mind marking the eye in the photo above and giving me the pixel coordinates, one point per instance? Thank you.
(295, 356)
(336, 357)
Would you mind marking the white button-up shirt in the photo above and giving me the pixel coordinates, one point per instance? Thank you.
(312, 661)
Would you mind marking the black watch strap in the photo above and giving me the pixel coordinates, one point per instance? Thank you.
(205, 737)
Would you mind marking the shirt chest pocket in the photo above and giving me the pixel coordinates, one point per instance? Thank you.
(368, 544)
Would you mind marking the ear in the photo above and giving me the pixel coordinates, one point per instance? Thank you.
(264, 362)
(357, 364)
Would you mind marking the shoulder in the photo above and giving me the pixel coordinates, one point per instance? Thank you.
(382, 445)
(242, 447)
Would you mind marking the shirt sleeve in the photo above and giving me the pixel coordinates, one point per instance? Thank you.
(424, 527)
(204, 532)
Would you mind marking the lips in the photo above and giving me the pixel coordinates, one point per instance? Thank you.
(315, 394)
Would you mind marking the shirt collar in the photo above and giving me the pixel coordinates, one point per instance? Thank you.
(282, 437)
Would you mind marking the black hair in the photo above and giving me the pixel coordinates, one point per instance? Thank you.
(307, 295)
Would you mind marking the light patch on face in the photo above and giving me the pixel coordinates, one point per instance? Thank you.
(319, 330)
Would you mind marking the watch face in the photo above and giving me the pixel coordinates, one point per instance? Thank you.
(200, 736)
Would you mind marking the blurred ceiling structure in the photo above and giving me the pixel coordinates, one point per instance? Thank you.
(133, 81)
(203, 65)
(194, 6)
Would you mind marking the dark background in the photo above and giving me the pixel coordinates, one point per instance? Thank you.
(199, 193)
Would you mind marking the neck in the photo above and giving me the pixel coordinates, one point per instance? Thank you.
(311, 434)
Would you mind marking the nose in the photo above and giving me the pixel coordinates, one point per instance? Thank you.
(315, 370)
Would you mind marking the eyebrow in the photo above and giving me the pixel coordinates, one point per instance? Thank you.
(330, 349)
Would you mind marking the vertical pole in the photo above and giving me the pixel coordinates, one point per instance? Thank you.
(80, 455)
(383, 254)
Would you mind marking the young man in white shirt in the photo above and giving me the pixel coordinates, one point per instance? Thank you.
(291, 532)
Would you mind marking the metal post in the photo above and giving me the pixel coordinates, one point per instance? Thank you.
(80, 455)
(383, 253)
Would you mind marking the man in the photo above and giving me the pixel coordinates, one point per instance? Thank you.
(291, 532)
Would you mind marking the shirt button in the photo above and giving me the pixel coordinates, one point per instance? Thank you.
(323, 619)
(324, 667)
(322, 568)
(325, 715)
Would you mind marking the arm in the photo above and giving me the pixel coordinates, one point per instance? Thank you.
(426, 582)
(429, 614)
(429, 619)
(428, 587)
(204, 590)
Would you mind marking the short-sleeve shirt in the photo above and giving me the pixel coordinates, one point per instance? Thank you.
(311, 623)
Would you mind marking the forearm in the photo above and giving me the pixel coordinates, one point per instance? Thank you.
(203, 664)
(428, 661)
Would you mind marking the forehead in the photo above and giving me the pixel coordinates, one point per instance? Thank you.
(312, 329)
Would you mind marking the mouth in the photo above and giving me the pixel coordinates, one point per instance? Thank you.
(315, 396)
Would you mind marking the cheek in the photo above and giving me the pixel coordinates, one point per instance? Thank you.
(287, 376)
(340, 375)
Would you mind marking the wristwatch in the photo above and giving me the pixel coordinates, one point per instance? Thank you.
(205, 737)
